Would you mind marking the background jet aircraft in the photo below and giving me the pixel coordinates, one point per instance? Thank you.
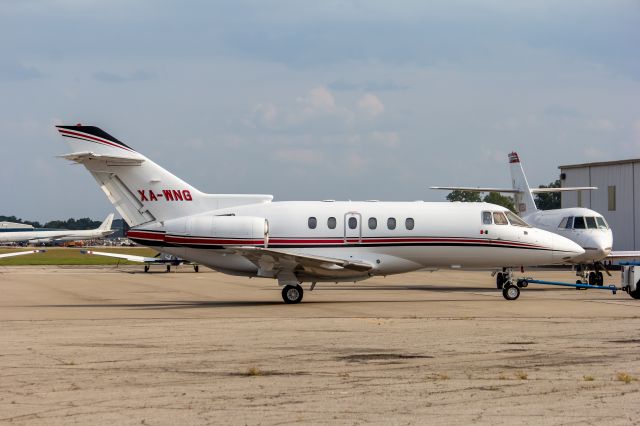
(160, 259)
(295, 242)
(586, 227)
(43, 235)
(20, 253)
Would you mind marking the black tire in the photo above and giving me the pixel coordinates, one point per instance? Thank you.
(292, 294)
(196, 268)
(592, 278)
(635, 294)
(146, 268)
(510, 292)
(599, 278)
(168, 268)
(499, 280)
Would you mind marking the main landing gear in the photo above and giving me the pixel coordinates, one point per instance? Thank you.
(292, 293)
(591, 277)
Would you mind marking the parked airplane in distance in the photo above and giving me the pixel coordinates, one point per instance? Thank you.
(586, 227)
(32, 235)
(160, 259)
(296, 242)
(20, 253)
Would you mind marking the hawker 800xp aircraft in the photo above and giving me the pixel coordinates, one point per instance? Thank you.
(297, 242)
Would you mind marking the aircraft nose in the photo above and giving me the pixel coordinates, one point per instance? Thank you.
(600, 244)
(564, 249)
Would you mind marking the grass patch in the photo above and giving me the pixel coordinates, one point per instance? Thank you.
(588, 378)
(72, 256)
(522, 375)
(254, 371)
(625, 377)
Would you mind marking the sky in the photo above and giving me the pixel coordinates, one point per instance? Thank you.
(307, 100)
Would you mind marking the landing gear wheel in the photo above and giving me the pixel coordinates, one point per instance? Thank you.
(499, 280)
(592, 278)
(196, 268)
(635, 294)
(146, 268)
(292, 294)
(510, 292)
(168, 268)
(599, 278)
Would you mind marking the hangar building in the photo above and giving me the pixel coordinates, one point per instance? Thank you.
(617, 197)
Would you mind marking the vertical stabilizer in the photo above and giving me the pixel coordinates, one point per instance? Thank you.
(106, 225)
(524, 199)
(141, 190)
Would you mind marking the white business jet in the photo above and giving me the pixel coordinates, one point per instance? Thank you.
(33, 235)
(168, 260)
(296, 242)
(584, 226)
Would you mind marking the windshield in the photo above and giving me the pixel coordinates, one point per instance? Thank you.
(515, 220)
(602, 224)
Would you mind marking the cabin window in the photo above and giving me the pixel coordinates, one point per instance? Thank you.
(373, 223)
(312, 222)
(331, 223)
(601, 223)
(578, 223)
(591, 222)
(353, 223)
(391, 223)
(569, 222)
(486, 218)
(515, 219)
(563, 223)
(499, 218)
(409, 223)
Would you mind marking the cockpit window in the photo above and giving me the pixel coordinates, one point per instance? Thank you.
(515, 220)
(499, 218)
(591, 222)
(601, 223)
(486, 218)
(563, 223)
(578, 223)
(569, 222)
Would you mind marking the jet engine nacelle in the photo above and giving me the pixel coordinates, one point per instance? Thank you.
(217, 230)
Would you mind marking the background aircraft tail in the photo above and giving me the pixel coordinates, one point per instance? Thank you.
(106, 225)
(525, 203)
(141, 190)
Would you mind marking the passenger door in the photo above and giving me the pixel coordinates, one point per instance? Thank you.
(352, 228)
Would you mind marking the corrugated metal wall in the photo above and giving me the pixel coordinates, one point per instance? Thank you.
(625, 219)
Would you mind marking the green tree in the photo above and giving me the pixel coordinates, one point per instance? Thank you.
(499, 199)
(548, 200)
(465, 196)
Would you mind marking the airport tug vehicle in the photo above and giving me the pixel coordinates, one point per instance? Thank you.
(629, 283)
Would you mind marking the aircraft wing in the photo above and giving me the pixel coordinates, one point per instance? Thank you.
(623, 255)
(276, 260)
(564, 189)
(130, 257)
(20, 253)
(474, 189)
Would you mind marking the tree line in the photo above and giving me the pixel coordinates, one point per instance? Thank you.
(71, 223)
(544, 201)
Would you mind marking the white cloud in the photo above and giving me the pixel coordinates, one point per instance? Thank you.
(601, 124)
(371, 104)
(386, 138)
(319, 99)
(299, 155)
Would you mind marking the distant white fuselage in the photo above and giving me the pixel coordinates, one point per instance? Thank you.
(583, 226)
